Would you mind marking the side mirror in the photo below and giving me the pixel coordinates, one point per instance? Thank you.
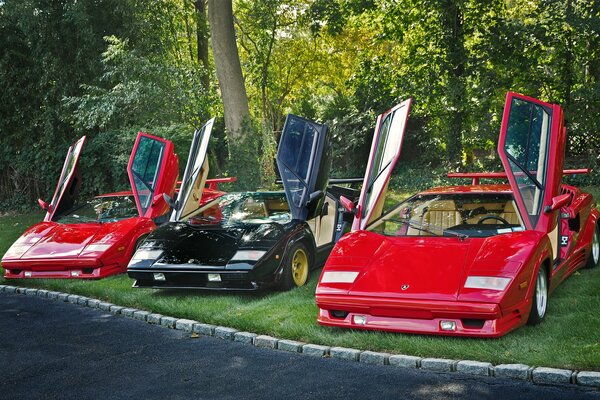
(43, 204)
(314, 197)
(347, 204)
(168, 200)
(325, 209)
(558, 202)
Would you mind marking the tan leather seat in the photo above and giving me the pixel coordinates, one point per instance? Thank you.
(510, 214)
(439, 214)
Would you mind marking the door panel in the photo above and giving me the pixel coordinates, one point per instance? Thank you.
(194, 178)
(152, 169)
(385, 151)
(304, 160)
(69, 183)
(531, 147)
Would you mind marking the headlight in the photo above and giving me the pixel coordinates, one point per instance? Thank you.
(17, 250)
(248, 255)
(97, 247)
(487, 282)
(146, 254)
(339, 276)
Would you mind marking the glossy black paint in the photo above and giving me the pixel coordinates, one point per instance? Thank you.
(190, 253)
(312, 157)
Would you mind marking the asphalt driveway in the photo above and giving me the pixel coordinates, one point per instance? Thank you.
(56, 350)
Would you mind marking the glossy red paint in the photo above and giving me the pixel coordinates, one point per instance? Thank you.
(68, 184)
(414, 283)
(55, 250)
(476, 176)
(98, 249)
(162, 180)
(387, 139)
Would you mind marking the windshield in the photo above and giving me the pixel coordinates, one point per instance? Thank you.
(462, 215)
(101, 209)
(245, 208)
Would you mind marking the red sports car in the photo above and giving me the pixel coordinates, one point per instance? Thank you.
(96, 238)
(471, 260)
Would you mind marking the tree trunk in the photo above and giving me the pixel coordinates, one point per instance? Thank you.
(202, 39)
(227, 63)
(454, 40)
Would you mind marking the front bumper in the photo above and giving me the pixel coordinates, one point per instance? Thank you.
(65, 268)
(174, 278)
(417, 316)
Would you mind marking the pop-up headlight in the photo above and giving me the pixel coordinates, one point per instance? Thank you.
(487, 282)
(17, 249)
(146, 254)
(339, 276)
(97, 247)
(248, 255)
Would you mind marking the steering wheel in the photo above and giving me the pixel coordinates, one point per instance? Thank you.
(483, 219)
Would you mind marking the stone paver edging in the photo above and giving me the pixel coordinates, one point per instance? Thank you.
(538, 375)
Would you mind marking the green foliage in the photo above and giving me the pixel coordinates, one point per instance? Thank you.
(137, 89)
(108, 68)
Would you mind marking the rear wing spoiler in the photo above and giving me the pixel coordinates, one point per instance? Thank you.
(476, 176)
(212, 183)
(335, 181)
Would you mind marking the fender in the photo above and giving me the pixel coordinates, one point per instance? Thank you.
(300, 232)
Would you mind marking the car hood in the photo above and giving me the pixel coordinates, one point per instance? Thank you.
(414, 268)
(183, 243)
(51, 239)
(432, 268)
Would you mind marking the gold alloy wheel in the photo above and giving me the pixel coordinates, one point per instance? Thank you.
(299, 267)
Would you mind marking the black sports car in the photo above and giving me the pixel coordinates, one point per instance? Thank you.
(249, 240)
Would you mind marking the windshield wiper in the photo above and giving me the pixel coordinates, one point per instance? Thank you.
(422, 228)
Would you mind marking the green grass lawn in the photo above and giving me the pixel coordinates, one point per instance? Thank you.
(569, 338)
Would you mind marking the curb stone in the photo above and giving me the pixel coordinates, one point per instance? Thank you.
(403, 361)
(372, 357)
(266, 342)
(438, 364)
(169, 322)
(73, 298)
(588, 378)
(115, 309)
(223, 332)
(514, 371)
(316, 350)
(290, 345)
(538, 375)
(93, 303)
(154, 319)
(344, 353)
(141, 315)
(204, 329)
(475, 368)
(552, 376)
(128, 312)
(244, 337)
(185, 325)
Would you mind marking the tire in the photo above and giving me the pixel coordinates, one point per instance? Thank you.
(594, 257)
(296, 269)
(539, 302)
